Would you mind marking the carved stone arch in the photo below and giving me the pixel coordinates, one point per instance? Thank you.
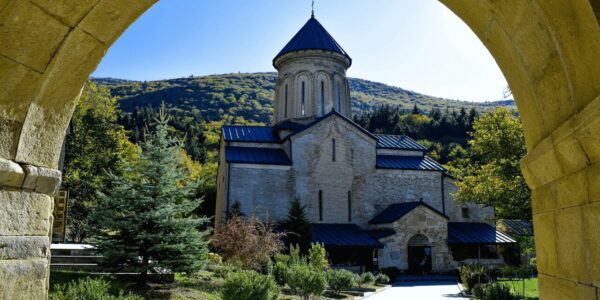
(419, 240)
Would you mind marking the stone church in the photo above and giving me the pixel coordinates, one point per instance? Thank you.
(375, 201)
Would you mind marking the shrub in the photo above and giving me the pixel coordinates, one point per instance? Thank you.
(382, 279)
(339, 280)
(365, 278)
(247, 242)
(279, 271)
(88, 289)
(471, 275)
(249, 285)
(493, 291)
(317, 257)
(224, 270)
(215, 258)
(304, 281)
(391, 272)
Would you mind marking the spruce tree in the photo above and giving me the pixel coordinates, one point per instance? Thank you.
(145, 220)
(298, 226)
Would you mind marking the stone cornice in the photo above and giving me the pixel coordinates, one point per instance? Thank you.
(28, 177)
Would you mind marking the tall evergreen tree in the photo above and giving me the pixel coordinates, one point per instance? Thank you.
(298, 226)
(146, 219)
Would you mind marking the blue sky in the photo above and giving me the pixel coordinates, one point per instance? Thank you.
(415, 44)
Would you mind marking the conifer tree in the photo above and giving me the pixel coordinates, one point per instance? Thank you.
(298, 226)
(145, 220)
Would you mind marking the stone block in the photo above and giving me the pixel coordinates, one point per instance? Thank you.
(568, 150)
(30, 36)
(570, 244)
(591, 223)
(51, 110)
(556, 288)
(24, 213)
(23, 247)
(593, 178)
(31, 176)
(543, 199)
(24, 279)
(545, 242)
(11, 173)
(109, 18)
(571, 190)
(67, 11)
(589, 138)
(48, 181)
(542, 164)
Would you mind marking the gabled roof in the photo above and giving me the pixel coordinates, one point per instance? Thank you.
(516, 227)
(251, 155)
(396, 211)
(245, 133)
(463, 233)
(342, 235)
(333, 112)
(400, 142)
(408, 163)
(312, 36)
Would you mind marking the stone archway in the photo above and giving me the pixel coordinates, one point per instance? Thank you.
(547, 50)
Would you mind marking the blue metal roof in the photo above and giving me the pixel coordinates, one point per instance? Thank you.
(343, 235)
(462, 233)
(408, 163)
(251, 155)
(257, 134)
(312, 36)
(516, 227)
(400, 142)
(398, 210)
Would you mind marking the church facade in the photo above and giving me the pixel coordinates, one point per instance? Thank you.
(374, 200)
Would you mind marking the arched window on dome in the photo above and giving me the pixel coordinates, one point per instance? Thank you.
(285, 107)
(338, 102)
(302, 99)
(320, 205)
(322, 97)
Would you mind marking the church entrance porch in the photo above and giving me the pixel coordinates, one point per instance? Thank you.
(419, 255)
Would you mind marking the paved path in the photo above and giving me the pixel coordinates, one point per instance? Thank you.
(420, 290)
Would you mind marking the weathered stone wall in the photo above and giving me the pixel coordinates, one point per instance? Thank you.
(420, 220)
(314, 168)
(25, 224)
(261, 190)
(477, 212)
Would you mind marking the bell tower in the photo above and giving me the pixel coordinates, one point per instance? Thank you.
(311, 76)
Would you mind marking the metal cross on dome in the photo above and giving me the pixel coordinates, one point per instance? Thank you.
(312, 14)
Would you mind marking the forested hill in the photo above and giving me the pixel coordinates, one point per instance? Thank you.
(247, 97)
(198, 106)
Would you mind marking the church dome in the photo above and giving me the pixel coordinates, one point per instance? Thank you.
(312, 36)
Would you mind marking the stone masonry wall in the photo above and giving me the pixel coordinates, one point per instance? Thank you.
(25, 228)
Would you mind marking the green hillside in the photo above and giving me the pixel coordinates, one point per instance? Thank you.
(241, 98)
(200, 105)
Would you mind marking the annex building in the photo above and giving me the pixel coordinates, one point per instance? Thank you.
(375, 201)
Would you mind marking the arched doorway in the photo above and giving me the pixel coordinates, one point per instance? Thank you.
(547, 50)
(419, 255)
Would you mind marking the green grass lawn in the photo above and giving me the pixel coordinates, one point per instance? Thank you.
(531, 287)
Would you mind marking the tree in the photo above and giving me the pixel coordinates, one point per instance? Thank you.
(93, 148)
(490, 174)
(146, 220)
(247, 242)
(298, 226)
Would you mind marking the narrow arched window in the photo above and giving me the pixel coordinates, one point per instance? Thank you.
(332, 149)
(322, 98)
(286, 102)
(349, 206)
(339, 97)
(320, 205)
(302, 102)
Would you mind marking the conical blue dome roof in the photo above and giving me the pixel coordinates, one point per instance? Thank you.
(312, 36)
